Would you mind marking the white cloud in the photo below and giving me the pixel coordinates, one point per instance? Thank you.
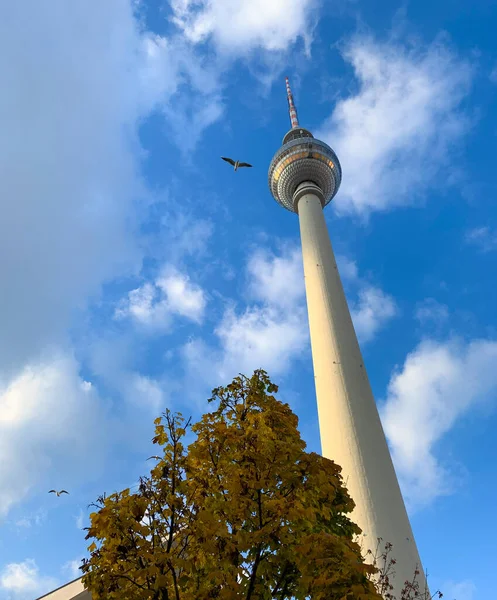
(187, 86)
(145, 391)
(155, 304)
(183, 297)
(371, 311)
(117, 363)
(437, 384)
(47, 420)
(22, 581)
(483, 238)
(397, 134)
(238, 27)
(429, 311)
(277, 280)
(462, 590)
(72, 568)
(29, 521)
(269, 333)
(372, 308)
(493, 75)
(80, 519)
(186, 234)
(273, 331)
(140, 305)
(261, 337)
(347, 268)
(79, 78)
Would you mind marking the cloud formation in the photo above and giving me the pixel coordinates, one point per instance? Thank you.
(32, 520)
(22, 581)
(371, 311)
(49, 417)
(431, 312)
(239, 27)
(276, 280)
(84, 78)
(370, 307)
(437, 384)
(483, 238)
(261, 337)
(72, 568)
(271, 331)
(398, 132)
(493, 75)
(155, 304)
(462, 590)
(183, 85)
(144, 392)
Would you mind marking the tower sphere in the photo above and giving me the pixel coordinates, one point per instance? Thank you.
(303, 158)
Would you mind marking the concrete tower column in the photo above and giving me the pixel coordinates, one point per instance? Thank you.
(350, 427)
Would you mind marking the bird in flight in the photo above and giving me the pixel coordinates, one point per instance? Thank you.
(156, 457)
(58, 493)
(236, 163)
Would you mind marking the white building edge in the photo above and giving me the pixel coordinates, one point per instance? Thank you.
(74, 590)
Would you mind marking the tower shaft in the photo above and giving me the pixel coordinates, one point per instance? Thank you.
(350, 427)
(303, 177)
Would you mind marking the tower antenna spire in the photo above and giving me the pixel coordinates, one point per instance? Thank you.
(291, 106)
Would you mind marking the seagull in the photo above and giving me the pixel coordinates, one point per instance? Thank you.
(58, 493)
(156, 457)
(236, 163)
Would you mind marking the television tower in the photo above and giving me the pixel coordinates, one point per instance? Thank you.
(304, 176)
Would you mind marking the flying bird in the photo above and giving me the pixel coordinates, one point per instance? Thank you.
(58, 493)
(156, 457)
(236, 163)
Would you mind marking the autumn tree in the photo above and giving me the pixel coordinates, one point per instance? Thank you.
(243, 513)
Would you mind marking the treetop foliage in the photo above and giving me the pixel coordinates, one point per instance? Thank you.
(243, 513)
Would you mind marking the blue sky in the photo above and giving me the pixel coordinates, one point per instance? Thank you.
(139, 271)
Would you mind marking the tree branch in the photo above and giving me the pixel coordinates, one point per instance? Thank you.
(281, 579)
(253, 574)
